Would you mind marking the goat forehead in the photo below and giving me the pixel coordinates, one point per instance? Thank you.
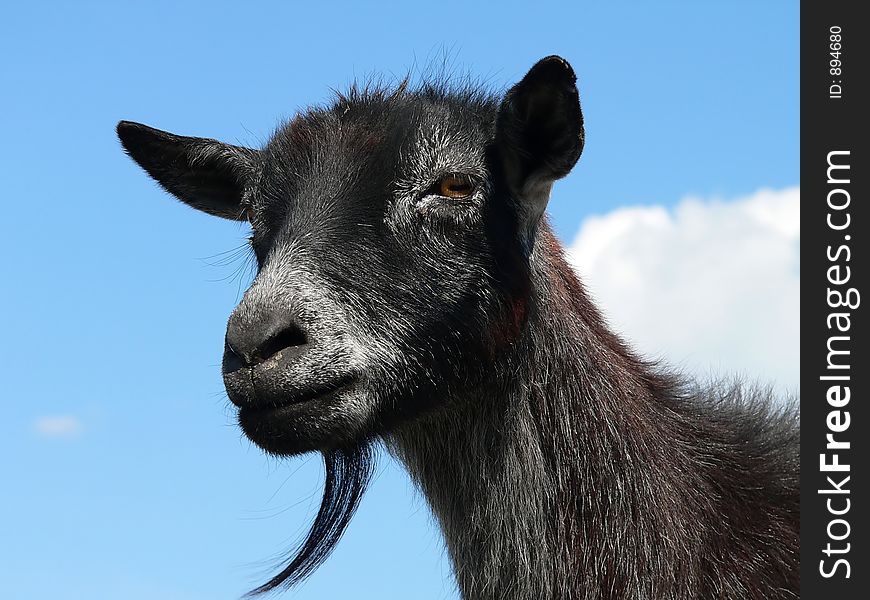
(385, 131)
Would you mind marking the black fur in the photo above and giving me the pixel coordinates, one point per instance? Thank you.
(449, 326)
(348, 471)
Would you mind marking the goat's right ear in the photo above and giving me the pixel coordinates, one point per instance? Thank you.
(206, 174)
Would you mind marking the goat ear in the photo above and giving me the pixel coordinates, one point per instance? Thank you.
(206, 174)
(539, 132)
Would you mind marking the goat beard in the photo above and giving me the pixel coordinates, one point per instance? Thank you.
(348, 473)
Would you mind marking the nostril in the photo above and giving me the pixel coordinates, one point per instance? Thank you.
(255, 336)
(289, 337)
(233, 360)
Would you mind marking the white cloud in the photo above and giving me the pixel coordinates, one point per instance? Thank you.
(708, 285)
(58, 426)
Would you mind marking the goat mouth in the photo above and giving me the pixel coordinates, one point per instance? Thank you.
(313, 393)
(294, 424)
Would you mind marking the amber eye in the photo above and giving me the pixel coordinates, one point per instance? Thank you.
(248, 214)
(455, 186)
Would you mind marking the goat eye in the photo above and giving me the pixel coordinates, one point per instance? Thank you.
(248, 214)
(455, 186)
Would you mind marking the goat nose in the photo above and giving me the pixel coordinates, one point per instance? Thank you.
(252, 341)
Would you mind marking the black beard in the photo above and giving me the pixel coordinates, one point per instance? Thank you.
(348, 473)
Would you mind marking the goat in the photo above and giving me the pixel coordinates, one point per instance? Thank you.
(411, 291)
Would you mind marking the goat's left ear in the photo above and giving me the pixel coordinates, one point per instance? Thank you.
(539, 133)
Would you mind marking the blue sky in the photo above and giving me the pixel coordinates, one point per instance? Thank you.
(123, 474)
